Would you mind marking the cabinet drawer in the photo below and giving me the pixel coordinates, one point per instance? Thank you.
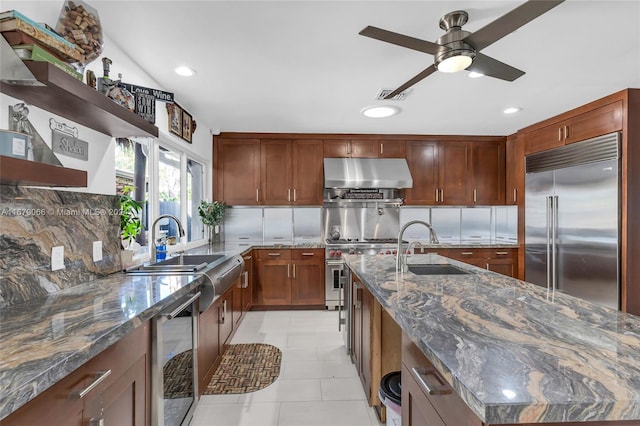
(444, 399)
(307, 254)
(274, 254)
(481, 253)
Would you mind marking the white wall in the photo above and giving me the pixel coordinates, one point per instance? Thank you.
(101, 165)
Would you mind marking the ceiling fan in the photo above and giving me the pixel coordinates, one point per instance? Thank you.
(457, 49)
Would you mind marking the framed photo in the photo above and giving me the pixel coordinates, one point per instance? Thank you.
(187, 126)
(175, 119)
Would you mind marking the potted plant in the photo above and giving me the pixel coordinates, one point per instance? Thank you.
(130, 223)
(211, 214)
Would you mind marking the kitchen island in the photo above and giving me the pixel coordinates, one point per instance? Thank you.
(513, 351)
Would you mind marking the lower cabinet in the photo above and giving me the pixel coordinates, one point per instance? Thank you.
(375, 342)
(427, 399)
(289, 278)
(119, 398)
(502, 261)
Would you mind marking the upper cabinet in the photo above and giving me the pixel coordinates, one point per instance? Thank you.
(364, 148)
(268, 171)
(574, 126)
(456, 172)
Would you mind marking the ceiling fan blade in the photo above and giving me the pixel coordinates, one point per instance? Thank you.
(401, 40)
(510, 22)
(420, 76)
(494, 68)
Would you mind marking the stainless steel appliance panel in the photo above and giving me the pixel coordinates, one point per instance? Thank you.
(334, 284)
(475, 225)
(307, 224)
(277, 225)
(243, 224)
(446, 221)
(587, 206)
(538, 189)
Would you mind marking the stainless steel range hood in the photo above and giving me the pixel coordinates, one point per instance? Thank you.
(367, 173)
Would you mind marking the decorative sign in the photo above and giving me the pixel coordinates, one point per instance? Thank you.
(146, 107)
(64, 140)
(158, 95)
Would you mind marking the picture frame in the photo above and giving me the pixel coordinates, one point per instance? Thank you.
(187, 126)
(174, 112)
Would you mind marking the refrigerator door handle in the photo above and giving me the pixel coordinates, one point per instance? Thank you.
(554, 243)
(549, 203)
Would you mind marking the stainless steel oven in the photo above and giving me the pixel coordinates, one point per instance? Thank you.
(174, 367)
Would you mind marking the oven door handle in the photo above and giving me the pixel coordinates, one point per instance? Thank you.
(335, 263)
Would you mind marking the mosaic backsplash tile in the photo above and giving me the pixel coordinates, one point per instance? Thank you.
(33, 221)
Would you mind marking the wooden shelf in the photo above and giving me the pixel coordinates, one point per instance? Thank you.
(14, 171)
(71, 98)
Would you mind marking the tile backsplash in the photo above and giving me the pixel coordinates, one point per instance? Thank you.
(33, 221)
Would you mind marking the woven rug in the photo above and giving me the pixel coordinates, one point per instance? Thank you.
(177, 373)
(245, 367)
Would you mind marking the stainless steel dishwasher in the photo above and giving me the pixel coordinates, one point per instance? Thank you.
(174, 365)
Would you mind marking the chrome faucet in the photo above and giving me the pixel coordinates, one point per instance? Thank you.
(153, 233)
(399, 256)
(405, 254)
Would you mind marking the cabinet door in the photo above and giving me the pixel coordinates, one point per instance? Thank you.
(239, 171)
(454, 177)
(488, 165)
(247, 290)
(336, 148)
(416, 408)
(124, 401)
(364, 148)
(502, 266)
(307, 285)
(225, 318)
(422, 158)
(392, 149)
(514, 148)
(367, 342)
(596, 122)
(208, 345)
(551, 136)
(356, 327)
(308, 175)
(275, 172)
(273, 282)
(237, 302)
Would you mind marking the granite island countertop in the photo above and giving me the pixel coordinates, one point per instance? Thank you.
(514, 352)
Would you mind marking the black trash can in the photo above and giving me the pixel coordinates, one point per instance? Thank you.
(390, 395)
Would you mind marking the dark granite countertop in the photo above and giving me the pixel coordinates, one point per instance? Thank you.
(513, 351)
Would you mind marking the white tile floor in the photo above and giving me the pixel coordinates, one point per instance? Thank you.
(318, 385)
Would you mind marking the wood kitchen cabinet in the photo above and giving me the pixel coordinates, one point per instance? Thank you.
(275, 172)
(247, 278)
(364, 148)
(514, 159)
(208, 345)
(580, 124)
(307, 172)
(122, 398)
(501, 260)
(455, 172)
(289, 278)
(225, 306)
(237, 166)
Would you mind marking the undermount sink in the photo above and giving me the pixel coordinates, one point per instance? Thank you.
(184, 263)
(436, 270)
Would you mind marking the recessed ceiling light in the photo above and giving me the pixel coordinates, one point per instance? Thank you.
(474, 74)
(380, 111)
(512, 110)
(184, 71)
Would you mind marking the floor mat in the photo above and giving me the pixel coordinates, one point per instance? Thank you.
(245, 367)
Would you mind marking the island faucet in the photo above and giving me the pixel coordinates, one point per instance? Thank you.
(399, 257)
(153, 233)
(405, 254)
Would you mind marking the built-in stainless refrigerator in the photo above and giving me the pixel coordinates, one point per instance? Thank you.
(572, 219)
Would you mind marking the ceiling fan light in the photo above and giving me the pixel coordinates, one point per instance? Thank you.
(474, 74)
(454, 63)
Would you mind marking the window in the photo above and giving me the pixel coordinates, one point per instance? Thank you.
(177, 179)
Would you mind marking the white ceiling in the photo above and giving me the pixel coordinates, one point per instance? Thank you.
(300, 66)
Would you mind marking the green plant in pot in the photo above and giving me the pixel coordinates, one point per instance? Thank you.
(130, 221)
(211, 214)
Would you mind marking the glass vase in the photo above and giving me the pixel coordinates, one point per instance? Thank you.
(213, 234)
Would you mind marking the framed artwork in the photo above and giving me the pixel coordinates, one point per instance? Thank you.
(187, 126)
(175, 119)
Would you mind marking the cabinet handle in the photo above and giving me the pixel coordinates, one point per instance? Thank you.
(294, 195)
(289, 195)
(436, 195)
(466, 253)
(422, 375)
(224, 312)
(308, 254)
(100, 377)
(559, 134)
(274, 254)
(288, 270)
(245, 278)
(257, 195)
(475, 198)
(566, 132)
(515, 193)
(502, 253)
(180, 308)
(442, 195)
(294, 270)
(247, 257)
(381, 148)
